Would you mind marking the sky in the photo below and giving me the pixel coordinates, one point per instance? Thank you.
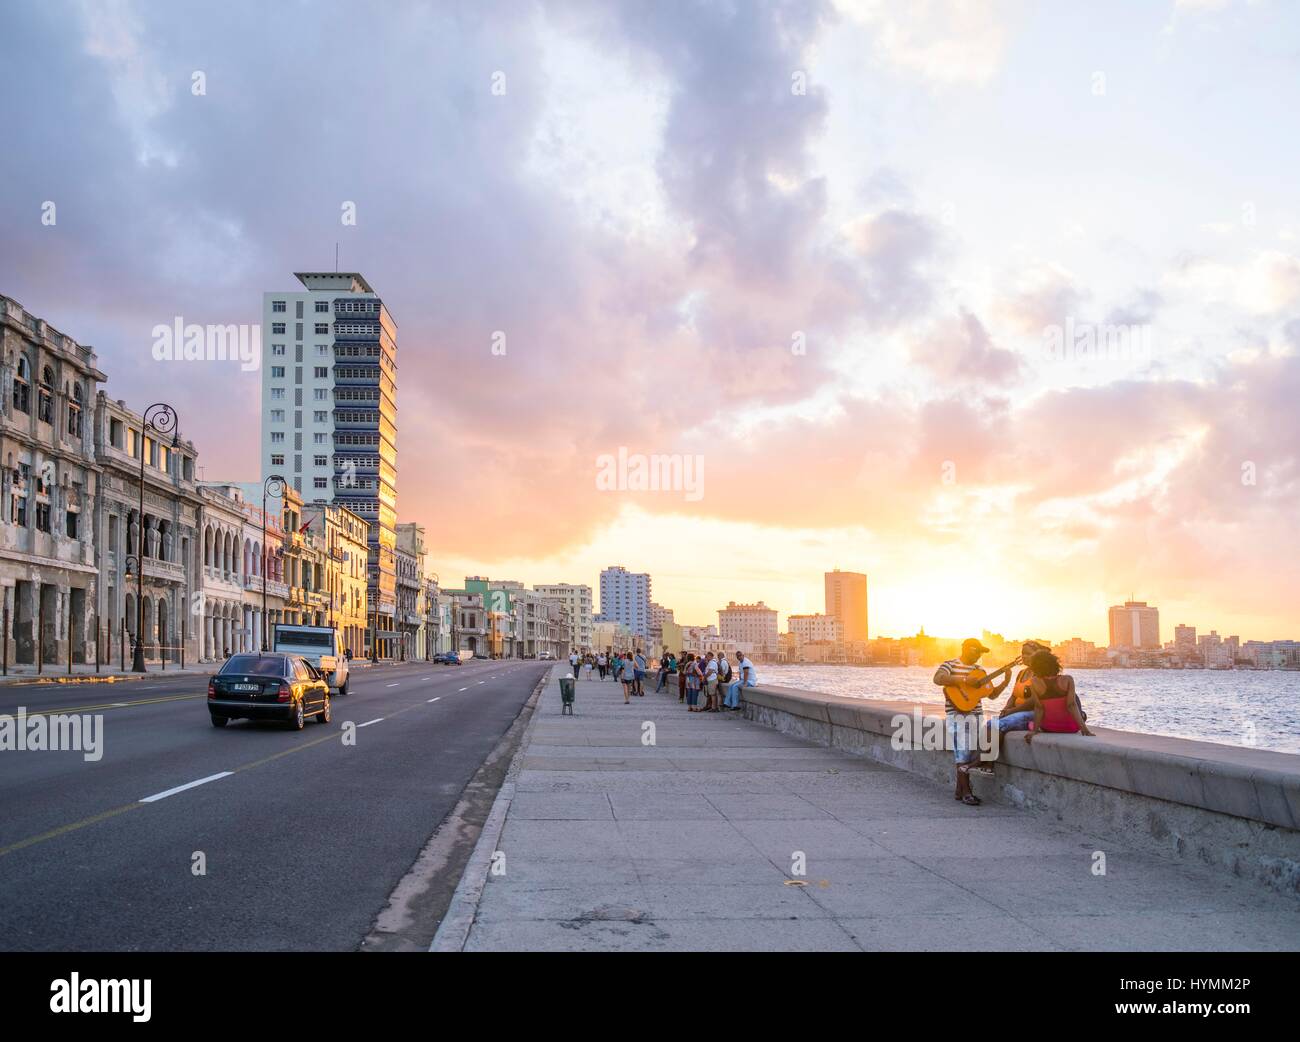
(996, 302)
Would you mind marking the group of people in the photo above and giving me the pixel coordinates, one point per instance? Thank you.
(1042, 699)
(709, 677)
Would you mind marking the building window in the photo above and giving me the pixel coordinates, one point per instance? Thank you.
(277, 350)
(45, 401)
(321, 394)
(322, 372)
(277, 393)
(70, 524)
(320, 461)
(277, 328)
(277, 437)
(322, 328)
(321, 439)
(277, 372)
(22, 387)
(322, 307)
(43, 516)
(319, 482)
(277, 459)
(319, 416)
(277, 306)
(277, 416)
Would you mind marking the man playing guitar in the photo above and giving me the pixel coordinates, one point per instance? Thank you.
(965, 686)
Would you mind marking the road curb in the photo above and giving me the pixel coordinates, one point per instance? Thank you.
(454, 929)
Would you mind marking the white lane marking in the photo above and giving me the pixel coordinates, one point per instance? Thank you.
(422, 679)
(188, 785)
(369, 722)
(392, 685)
(435, 699)
(482, 681)
(464, 689)
(120, 705)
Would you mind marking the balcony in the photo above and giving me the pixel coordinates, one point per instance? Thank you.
(166, 571)
(274, 588)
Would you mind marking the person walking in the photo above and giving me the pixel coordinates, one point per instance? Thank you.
(628, 676)
(601, 664)
(681, 676)
(640, 664)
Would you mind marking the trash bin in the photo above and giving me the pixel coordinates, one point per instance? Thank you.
(568, 687)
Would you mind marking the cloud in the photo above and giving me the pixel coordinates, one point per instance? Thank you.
(945, 42)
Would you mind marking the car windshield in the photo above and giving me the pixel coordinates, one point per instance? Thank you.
(256, 665)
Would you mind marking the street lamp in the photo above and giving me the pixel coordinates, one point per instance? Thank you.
(161, 419)
(272, 486)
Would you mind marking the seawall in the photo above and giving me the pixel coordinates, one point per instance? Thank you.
(1232, 808)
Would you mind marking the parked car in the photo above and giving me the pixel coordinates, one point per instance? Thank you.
(449, 658)
(268, 686)
(319, 645)
(545, 655)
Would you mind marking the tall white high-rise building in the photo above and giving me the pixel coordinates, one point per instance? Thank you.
(1134, 624)
(329, 414)
(625, 598)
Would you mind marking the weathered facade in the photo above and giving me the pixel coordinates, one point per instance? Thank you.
(49, 490)
(168, 535)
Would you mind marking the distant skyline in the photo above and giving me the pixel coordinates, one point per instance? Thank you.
(838, 254)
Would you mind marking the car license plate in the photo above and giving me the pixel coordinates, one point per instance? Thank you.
(247, 687)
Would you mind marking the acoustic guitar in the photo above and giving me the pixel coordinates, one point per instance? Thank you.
(967, 695)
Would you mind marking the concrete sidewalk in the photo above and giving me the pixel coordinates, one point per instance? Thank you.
(695, 843)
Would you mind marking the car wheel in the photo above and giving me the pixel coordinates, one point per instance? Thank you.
(325, 715)
(219, 721)
(298, 721)
(343, 691)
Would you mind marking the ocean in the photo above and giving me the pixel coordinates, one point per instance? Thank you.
(1254, 708)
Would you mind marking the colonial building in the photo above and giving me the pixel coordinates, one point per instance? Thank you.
(49, 491)
(168, 533)
(345, 536)
(410, 573)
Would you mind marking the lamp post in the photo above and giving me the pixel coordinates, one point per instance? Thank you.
(272, 486)
(161, 419)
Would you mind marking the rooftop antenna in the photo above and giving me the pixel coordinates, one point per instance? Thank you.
(336, 258)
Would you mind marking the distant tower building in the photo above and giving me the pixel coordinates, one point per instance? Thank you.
(625, 598)
(1134, 624)
(846, 600)
(329, 414)
(1185, 638)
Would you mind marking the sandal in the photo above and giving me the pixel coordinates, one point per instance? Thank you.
(971, 800)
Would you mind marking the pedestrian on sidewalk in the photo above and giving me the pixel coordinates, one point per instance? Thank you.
(574, 668)
(601, 664)
(710, 683)
(682, 663)
(640, 665)
(693, 679)
(628, 676)
(591, 664)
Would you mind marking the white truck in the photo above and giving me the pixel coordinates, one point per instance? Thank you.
(319, 645)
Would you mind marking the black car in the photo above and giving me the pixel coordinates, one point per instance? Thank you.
(268, 687)
(449, 658)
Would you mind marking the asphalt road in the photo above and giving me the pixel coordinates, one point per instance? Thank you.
(303, 840)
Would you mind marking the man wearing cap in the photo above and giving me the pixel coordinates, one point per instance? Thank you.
(963, 728)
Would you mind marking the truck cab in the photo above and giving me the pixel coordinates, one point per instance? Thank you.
(319, 645)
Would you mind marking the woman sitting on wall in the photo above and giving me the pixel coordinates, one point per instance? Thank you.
(1056, 708)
